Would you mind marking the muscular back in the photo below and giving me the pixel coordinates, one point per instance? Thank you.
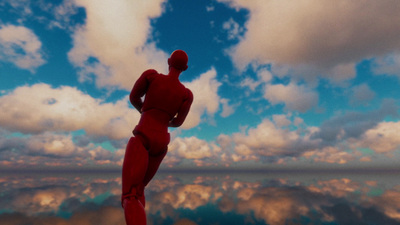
(166, 94)
(163, 93)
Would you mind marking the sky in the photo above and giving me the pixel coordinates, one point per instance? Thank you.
(276, 84)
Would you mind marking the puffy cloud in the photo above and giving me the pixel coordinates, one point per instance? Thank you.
(226, 147)
(39, 108)
(233, 28)
(54, 150)
(352, 130)
(20, 6)
(206, 98)
(271, 141)
(196, 150)
(250, 83)
(335, 142)
(190, 148)
(337, 75)
(227, 109)
(264, 77)
(330, 155)
(62, 13)
(321, 35)
(281, 120)
(51, 145)
(295, 97)
(354, 124)
(362, 94)
(20, 46)
(383, 138)
(265, 140)
(387, 65)
(113, 43)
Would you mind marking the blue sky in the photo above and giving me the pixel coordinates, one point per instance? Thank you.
(277, 84)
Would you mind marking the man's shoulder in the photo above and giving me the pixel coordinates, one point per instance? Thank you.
(188, 94)
(150, 72)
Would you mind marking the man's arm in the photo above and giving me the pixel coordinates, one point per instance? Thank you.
(183, 111)
(140, 89)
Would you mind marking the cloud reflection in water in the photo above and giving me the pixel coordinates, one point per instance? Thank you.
(194, 198)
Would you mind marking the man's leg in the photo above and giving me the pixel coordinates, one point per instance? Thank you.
(157, 151)
(154, 164)
(133, 172)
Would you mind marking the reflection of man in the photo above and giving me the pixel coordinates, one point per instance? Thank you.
(166, 104)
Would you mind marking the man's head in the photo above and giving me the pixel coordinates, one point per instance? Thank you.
(178, 60)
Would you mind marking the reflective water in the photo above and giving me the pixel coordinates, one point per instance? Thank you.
(195, 198)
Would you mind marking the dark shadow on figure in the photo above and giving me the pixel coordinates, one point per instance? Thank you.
(166, 104)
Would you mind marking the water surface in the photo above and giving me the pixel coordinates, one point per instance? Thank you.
(204, 198)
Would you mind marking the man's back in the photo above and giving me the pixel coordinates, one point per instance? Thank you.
(166, 94)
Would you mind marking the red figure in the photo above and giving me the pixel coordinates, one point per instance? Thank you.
(166, 104)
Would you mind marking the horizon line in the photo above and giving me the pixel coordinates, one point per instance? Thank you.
(208, 170)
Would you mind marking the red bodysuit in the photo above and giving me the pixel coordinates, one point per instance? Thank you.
(166, 104)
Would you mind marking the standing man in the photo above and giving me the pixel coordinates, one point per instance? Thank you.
(166, 104)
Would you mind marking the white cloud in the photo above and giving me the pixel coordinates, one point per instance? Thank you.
(206, 98)
(317, 35)
(330, 155)
(387, 65)
(227, 109)
(20, 6)
(273, 141)
(233, 28)
(383, 138)
(337, 75)
(281, 120)
(113, 46)
(52, 144)
(295, 97)
(20, 46)
(54, 149)
(190, 148)
(250, 83)
(62, 13)
(264, 140)
(263, 77)
(210, 8)
(39, 108)
(362, 94)
(196, 150)
(354, 124)
(113, 43)
(298, 121)
(341, 72)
